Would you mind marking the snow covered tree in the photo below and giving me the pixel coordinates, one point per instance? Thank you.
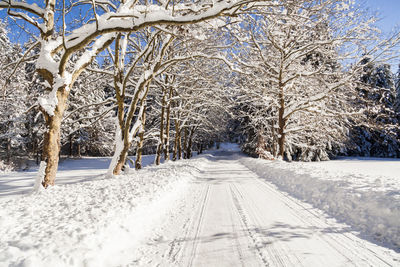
(397, 88)
(199, 107)
(17, 119)
(295, 97)
(166, 85)
(88, 124)
(378, 134)
(10, 103)
(59, 39)
(200, 46)
(151, 57)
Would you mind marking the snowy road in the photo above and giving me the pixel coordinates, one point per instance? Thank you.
(230, 217)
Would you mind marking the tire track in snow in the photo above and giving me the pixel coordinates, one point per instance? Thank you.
(218, 238)
(339, 242)
(199, 225)
(164, 247)
(238, 245)
(178, 244)
(246, 225)
(277, 253)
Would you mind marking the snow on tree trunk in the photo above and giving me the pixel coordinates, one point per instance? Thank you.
(121, 160)
(119, 147)
(125, 133)
(39, 177)
(51, 143)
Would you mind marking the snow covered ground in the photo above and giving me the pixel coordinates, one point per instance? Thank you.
(89, 220)
(70, 171)
(218, 209)
(362, 192)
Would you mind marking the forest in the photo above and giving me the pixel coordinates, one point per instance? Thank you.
(299, 80)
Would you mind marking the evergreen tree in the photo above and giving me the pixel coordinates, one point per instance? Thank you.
(397, 88)
(378, 134)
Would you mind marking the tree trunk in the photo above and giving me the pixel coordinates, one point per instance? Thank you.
(190, 142)
(175, 150)
(51, 145)
(177, 142)
(79, 150)
(37, 157)
(159, 150)
(139, 151)
(281, 123)
(139, 148)
(274, 147)
(119, 146)
(121, 161)
(71, 144)
(179, 146)
(125, 133)
(161, 138)
(8, 150)
(281, 143)
(167, 127)
(51, 142)
(185, 140)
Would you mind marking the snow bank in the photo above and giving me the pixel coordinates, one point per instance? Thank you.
(348, 194)
(93, 223)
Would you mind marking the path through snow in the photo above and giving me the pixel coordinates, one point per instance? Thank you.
(208, 211)
(230, 217)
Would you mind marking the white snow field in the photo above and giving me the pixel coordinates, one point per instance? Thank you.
(212, 210)
(69, 171)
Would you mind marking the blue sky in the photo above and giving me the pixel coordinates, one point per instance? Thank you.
(389, 11)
